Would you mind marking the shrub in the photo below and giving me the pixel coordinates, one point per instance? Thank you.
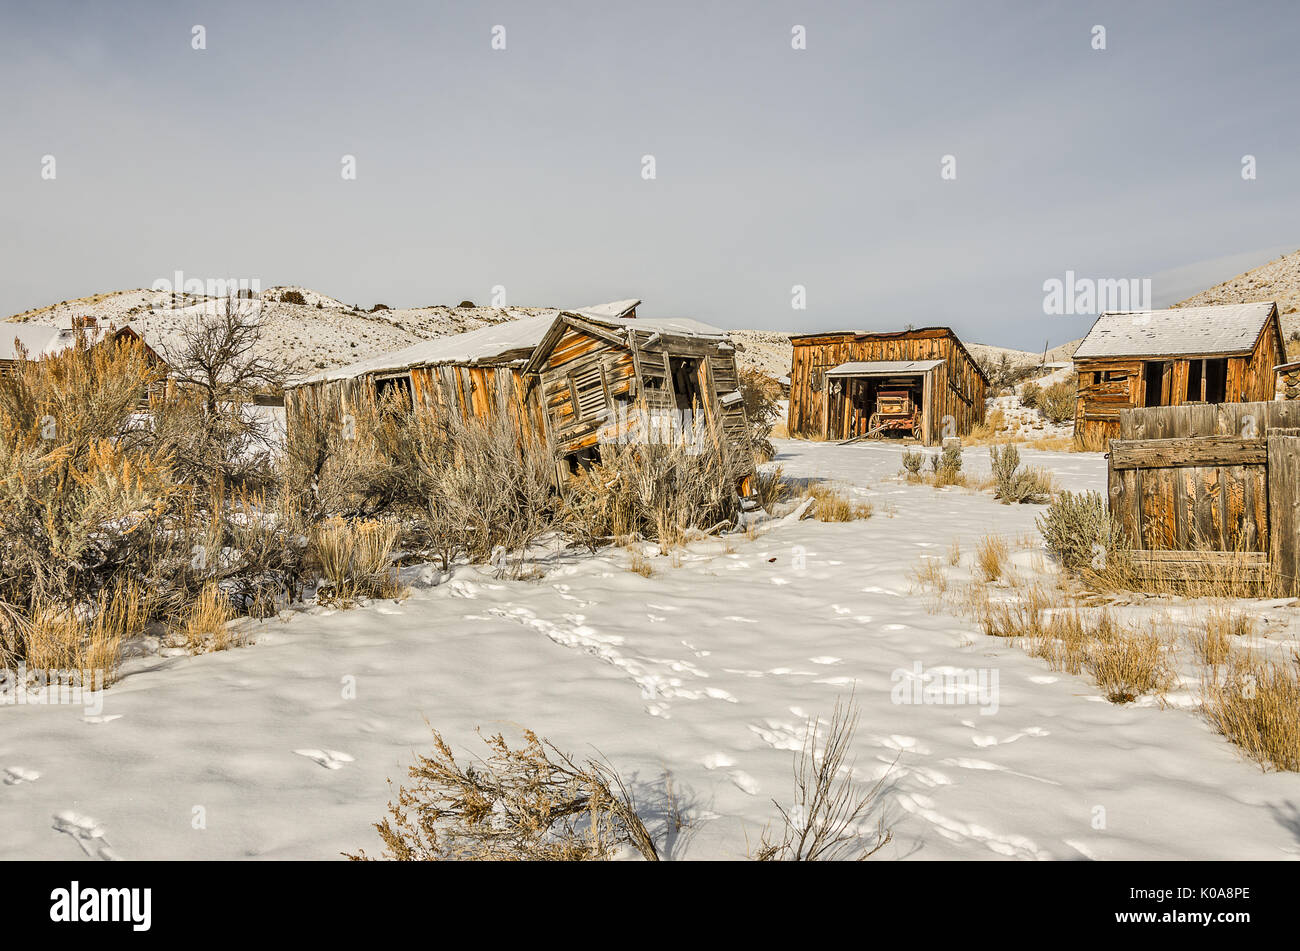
(1079, 532)
(1003, 372)
(1013, 484)
(760, 393)
(1029, 394)
(1057, 402)
(946, 466)
(662, 491)
(1129, 665)
(292, 297)
(771, 487)
(825, 823)
(531, 802)
(912, 462)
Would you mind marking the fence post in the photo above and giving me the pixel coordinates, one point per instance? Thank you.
(1284, 505)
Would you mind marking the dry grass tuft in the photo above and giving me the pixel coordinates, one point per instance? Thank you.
(1255, 703)
(992, 554)
(833, 504)
(355, 561)
(205, 625)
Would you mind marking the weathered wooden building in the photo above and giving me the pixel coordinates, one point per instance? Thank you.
(478, 374)
(604, 379)
(33, 341)
(570, 382)
(1184, 355)
(923, 383)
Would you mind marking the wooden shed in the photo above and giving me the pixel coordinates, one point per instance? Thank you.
(478, 374)
(920, 383)
(1180, 356)
(33, 341)
(597, 376)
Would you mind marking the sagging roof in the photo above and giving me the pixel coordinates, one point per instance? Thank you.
(504, 343)
(679, 326)
(496, 343)
(884, 368)
(1220, 329)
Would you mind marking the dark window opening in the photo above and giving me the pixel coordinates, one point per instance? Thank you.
(1195, 376)
(686, 382)
(396, 389)
(1216, 380)
(582, 459)
(1154, 376)
(1096, 376)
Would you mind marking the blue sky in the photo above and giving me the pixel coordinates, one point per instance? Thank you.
(774, 167)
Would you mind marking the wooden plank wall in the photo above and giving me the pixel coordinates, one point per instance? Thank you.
(482, 392)
(1098, 404)
(956, 388)
(1183, 477)
(589, 377)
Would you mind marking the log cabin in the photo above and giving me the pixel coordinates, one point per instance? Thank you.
(921, 383)
(603, 379)
(1174, 357)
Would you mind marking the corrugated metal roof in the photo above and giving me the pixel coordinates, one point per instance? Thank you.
(884, 368)
(1217, 329)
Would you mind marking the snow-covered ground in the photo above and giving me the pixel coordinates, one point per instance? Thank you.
(705, 671)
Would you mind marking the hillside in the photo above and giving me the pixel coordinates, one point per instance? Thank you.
(324, 332)
(1278, 280)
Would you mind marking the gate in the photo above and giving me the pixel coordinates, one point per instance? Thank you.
(1200, 487)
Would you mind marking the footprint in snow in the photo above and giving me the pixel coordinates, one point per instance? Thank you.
(17, 774)
(106, 718)
(330, 759)
(718, 761)
(825, 660)
(88, 833)
(745, 782)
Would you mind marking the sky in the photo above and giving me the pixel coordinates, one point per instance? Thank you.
(918, 162)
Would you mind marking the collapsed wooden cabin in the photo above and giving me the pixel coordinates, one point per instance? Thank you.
(475, 375)
(570, 383)
(1180, 356)
(922, 384)
(608, 379)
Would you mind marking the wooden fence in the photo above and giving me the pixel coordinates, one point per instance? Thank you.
(1202, 487)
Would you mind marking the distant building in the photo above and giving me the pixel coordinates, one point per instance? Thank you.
(1215, 354)
(921, 383)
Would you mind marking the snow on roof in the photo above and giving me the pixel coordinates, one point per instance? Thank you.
(42, 340)
(1226, 328)
(617, 308)
(486, 344)
(883, 367)
(683, 326)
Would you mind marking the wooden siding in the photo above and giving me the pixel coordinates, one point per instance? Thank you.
(1250, 377)
(595, 382)
(1219, 477)
(477, 392)
(956, 388)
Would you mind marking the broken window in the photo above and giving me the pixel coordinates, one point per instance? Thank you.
(395, 388)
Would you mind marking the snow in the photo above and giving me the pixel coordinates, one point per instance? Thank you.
(1180, 331)
(707, 671)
